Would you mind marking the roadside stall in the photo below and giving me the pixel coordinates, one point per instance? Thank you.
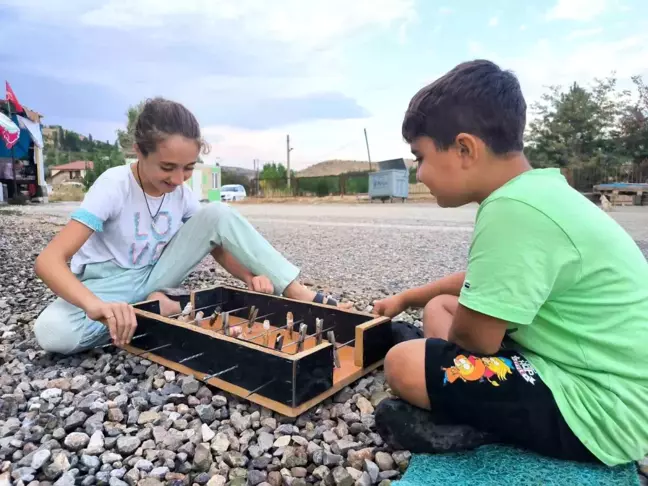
(22, 171)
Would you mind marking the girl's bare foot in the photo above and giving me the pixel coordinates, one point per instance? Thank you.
(298, 291)
(167, 306)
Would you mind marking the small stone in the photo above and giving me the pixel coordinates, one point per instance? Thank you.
(255, 477)
(282, 441)
(76, 441)
(66, 480)
(207, 433)
(240, 422)
(169, 375)
(202, 458)
(378, 397)
(364, 480)
(76, 419)
(128, 444)
(402, 458)
(51, 394)
(356, 458)
(384, 461)
(364, 406)
(96, 444)
(150, 482)
(91, 462)
(220, 443)
(147, 417)
(342, 446)
(341, 477)
(372, 470)
(219, 401)
(159, 472)
(235, 459)
(266, 440)
(206, 413)
(40, 458)
(321, 472)
(115, 415)
(217, 480)
(189, 385)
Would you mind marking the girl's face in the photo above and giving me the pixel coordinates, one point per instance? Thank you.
(170, 165)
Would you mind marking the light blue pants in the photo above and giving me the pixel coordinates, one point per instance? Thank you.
(64, 328)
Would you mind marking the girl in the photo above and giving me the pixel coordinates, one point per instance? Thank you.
(140, 230)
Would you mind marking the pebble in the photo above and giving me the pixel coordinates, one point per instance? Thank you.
(106, 417)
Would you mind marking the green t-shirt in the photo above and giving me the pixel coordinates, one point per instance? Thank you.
(575, 286)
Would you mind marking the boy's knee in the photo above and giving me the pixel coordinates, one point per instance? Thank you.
(405, 371)
(444, 303)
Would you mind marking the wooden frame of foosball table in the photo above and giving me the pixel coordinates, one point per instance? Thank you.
(288, 381)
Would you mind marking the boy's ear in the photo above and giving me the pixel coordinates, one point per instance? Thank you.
(469, 148)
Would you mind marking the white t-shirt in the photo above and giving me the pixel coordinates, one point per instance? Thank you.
(124, 232)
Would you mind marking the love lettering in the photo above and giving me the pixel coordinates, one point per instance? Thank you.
(142, 248)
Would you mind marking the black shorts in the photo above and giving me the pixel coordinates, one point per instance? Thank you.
(501, 394)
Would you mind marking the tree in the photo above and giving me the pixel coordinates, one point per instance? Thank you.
(101, 163)
(576, 127)
(634, 125)
(126, 138)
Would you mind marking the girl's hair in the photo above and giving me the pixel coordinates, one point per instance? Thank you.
(161, 118)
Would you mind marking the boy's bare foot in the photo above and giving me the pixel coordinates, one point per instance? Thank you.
(167, 306)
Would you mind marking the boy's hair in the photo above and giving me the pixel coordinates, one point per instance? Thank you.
(161, 118)
(475, 97)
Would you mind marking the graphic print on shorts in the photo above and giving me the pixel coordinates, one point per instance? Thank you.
(492, 369)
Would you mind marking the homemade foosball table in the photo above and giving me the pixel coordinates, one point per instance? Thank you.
(283, 354)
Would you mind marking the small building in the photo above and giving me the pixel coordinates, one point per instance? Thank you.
(71, 172)
(205, 182)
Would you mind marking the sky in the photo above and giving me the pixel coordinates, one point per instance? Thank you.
(255, 71)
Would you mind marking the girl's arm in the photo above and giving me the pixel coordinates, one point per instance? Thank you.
(52, 268)
(52, 265)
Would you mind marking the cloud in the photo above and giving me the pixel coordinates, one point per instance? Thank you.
(581, 10)
(493, 21)
(445, 10)
(523, 27)
(579, 34)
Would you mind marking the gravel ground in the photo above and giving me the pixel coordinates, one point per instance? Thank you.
(109, 418)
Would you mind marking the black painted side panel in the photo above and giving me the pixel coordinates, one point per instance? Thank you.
(255, 367)
(152, 307)
(314, 375)
(377, 341)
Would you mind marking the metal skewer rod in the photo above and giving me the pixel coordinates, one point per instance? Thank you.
(310, 335)
(272, 330)
(195, 310)
(259, 388)
(209, 377)
(112, 344)
(190, 357)
(154, 349)
(243, 323)
(345, 344)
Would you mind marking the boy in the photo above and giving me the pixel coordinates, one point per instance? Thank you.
(543, 342)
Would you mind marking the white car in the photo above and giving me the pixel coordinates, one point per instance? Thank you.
(233, 192)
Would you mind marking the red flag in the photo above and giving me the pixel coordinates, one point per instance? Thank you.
(12, 97)
(9, 131)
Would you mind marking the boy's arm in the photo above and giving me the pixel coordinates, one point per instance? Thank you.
(419, 296)
(518, 258)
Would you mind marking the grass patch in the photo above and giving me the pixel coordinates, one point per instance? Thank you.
(67, 193)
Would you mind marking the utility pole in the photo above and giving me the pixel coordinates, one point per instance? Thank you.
(368, 154)
(288, 150)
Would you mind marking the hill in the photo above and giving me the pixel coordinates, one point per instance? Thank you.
(337, 167)
(237, 172)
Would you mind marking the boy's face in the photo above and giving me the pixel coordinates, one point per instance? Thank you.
(445, 173)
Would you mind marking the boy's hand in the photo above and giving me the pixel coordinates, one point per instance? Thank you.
(391, 306)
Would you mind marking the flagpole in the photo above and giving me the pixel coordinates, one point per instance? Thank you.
(13, 163)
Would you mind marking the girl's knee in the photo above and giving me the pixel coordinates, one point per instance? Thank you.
(214, 211)
(57, 333)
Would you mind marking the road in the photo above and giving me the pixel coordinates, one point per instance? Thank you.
(368, 248)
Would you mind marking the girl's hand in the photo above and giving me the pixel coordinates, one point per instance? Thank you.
(119, 317)
(261, 284)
